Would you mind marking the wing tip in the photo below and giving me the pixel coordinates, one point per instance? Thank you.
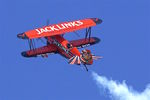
(97, 20)
(22, 36)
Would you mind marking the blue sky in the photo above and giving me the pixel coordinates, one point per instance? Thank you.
(125, 47)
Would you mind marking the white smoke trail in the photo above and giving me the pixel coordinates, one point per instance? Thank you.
(120, 91)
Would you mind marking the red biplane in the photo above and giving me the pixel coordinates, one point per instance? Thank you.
(57, 44)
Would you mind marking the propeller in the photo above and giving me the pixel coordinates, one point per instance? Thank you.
(77, 60)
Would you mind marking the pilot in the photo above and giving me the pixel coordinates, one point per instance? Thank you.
(86, 55)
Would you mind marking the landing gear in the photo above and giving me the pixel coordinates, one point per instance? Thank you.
(86, 67)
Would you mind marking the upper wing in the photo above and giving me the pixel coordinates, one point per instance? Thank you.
(81, 43)
(62, 28)
(39, 51)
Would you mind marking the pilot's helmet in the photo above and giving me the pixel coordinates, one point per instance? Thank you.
(69, 45)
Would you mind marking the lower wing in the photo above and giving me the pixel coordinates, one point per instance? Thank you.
(81, 43)
(40, 51)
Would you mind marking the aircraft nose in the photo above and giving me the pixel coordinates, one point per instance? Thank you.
(24, 54)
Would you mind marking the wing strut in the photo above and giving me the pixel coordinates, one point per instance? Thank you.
(88, 33)
(31, 44)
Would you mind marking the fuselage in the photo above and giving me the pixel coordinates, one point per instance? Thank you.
(66, 49)
(64, 46)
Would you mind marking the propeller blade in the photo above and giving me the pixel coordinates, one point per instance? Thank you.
(73, 60)
(78, 60)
